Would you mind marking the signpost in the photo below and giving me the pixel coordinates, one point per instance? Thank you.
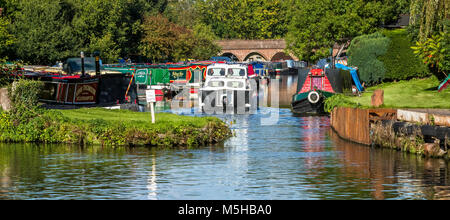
(151, 98)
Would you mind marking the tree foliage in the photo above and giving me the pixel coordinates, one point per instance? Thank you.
(428, 17)
(167, 41)
(318, 24)
(51, 30)
(245, 19)
(6, 38)
(430, 24)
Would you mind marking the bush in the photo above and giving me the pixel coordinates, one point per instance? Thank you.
(25, 92)
(400, 61)
(364, 52)
(338, 100)
(386, 56)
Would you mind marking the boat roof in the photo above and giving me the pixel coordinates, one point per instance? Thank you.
(225, 65)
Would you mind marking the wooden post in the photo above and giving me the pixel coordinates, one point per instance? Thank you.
(377, 98)
(152, 109)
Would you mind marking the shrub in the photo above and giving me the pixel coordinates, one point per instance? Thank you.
(338, 100)
(399, 61)
(25, 92)
(364, 52)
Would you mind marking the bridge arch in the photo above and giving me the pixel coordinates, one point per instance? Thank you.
(255, 56)
(281, 56)
(230, 55)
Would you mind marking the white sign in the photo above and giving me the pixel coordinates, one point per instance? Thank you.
(150, 95)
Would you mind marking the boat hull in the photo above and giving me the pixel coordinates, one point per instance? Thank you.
(304, 107)
(226, 101)
(301, 105)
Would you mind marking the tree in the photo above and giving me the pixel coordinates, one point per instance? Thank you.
(42, 34)
(166, 41)
(52, 30)
(430, 24)
(6, 38)
(245, 19)
(428, 17)
(318, 24)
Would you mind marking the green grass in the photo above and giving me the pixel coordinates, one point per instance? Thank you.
(415, 93)
(136, 118)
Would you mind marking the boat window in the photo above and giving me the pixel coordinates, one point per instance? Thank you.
(236, 72)
(49, 91)
(235, 85)
(216, 72)
(216, 84)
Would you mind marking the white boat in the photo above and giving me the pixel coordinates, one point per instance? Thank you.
(227, 95)
(219, 70)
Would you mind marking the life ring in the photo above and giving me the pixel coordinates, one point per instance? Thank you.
(313, 97)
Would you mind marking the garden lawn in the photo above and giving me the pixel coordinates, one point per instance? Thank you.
(415, 93)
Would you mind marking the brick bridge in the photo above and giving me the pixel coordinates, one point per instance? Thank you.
(255, 50)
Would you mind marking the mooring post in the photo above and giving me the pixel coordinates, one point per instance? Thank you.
(97, 63)
(83, 72)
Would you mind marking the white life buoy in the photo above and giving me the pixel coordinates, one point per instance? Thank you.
(313, 97)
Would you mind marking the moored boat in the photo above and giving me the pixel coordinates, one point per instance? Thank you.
(315, 85)
(228, 88)
(227, 95)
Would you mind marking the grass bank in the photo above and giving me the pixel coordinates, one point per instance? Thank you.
(97, 126)
(415, 93)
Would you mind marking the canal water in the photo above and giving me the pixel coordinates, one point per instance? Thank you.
(273, 156)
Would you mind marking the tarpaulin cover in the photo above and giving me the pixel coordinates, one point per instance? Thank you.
(302, 75)
(354, 74)
(340, 80)
(445, 84)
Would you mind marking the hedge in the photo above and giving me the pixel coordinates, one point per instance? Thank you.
(363, 53)
(400, 61)
(385, 56)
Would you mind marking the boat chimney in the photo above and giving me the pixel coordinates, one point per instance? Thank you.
(83, 72)
(97, 63)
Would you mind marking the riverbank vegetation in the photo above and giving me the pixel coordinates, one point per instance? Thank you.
(26, 122)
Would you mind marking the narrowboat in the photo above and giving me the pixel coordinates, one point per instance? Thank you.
(169, 80)
(289, 67)
(75, 84)
(315, 85)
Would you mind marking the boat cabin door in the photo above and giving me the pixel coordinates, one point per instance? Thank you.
(317, 76)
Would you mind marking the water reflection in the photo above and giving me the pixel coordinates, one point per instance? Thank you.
(152, 183)
(296, 158)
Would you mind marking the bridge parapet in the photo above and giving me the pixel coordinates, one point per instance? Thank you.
(247, 50)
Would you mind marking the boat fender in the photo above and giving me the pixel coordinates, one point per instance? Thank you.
(313, 97)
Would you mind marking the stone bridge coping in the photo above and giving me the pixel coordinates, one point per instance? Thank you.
(251, 44)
